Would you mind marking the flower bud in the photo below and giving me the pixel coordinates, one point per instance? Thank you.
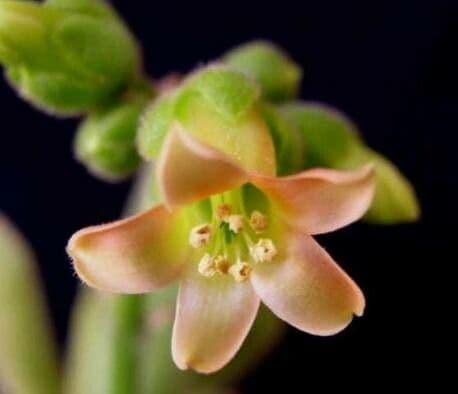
(329, 135)
(395, 200)
(267, 64)
(220, 107)
(66, 58)
(332, 140)
(105, 141)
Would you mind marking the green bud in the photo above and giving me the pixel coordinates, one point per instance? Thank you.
(105, 141)
(332, 140)
(288, 141)
(329, 135)
(395, 200)
(221, 108)
(28, 358)
(278, 75)
(66, 58)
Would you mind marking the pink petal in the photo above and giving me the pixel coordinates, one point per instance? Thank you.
(320, 200)
(308, 289)
(188, 170)
(213, 317)
(135, 255)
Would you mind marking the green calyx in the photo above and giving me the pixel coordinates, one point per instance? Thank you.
(278, 75)
(66, 57)
(332, 140)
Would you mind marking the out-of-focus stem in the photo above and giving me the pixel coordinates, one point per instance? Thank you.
(127, 317)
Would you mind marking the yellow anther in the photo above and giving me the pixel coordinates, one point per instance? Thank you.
(200, 235)
(221, 264)
(223, 211)
(263, 250)
(235, 223)
(207, 266)
(258, 221)
(240, 271)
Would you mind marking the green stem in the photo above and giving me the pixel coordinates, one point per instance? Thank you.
(126, 327)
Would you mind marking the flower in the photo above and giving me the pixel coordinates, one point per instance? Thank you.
(225, 274)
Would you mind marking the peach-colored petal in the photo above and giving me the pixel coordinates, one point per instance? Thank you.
(308, 289)
(213, 317)
(134, 255)
(320, 200)
(188, 170)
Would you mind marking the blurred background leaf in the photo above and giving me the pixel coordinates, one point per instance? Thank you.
(28, 357)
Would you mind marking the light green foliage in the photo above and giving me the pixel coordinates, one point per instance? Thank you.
(66, 58)
(28, 359)
(331, 140)
(267, 64)
(105, 140)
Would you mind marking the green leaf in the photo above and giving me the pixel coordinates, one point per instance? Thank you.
(332, 140)
(28, 357)
(267, 64)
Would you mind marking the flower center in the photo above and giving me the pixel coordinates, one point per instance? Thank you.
(233, 241)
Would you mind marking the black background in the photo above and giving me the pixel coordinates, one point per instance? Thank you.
(389, 65)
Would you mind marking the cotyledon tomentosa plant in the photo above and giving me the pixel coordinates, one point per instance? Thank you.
(229, 203)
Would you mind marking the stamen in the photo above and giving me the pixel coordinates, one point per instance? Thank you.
(235, 223)
(258, 222)
(207, 266)
(200, 235)
(263, 250)
(223, 211)
(222, 264)
(240, 271)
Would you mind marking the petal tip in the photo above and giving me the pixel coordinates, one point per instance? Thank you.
(189, 170)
